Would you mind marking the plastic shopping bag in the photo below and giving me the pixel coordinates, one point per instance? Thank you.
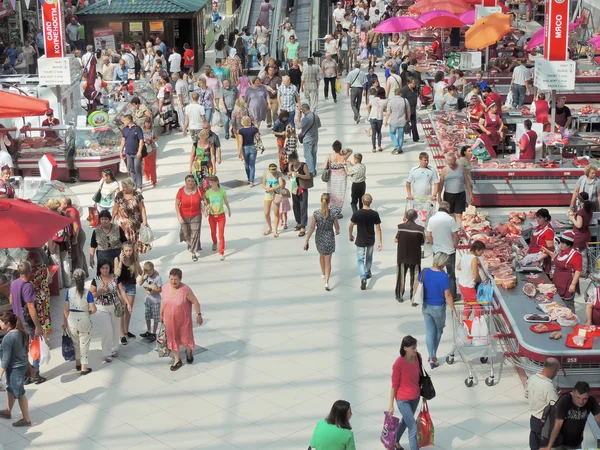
(425, 428)
(68, 350)
(479, 331)
(123, 166)
(44, 352)
(34, 349)
(338, 86)
(509, 99)
(485, 292)
(388, 434)
(146, 235)
(217, 119)
(161, 343)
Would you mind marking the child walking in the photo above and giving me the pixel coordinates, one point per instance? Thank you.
(152, 283)
(284, 207)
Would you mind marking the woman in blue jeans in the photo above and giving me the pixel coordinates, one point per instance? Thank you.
(248, 150)
(436, 293)
(378, 105)
(406, 390)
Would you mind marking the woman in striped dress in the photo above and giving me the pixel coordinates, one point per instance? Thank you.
(336, 186)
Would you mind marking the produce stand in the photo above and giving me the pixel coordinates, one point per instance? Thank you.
(33, 144)
(96, 149)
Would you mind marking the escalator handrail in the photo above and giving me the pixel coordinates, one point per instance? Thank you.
(313, 31)
(278, 13)
(244, 14)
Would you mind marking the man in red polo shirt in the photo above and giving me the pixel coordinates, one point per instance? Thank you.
(527, 142)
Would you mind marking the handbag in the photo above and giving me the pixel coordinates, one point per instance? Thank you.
(119, 308)
(98, 195)
(68, 350)
(425, 383)
(326, 175)
(258, 143)
(388, 433)
(407, 125)
(144, 151)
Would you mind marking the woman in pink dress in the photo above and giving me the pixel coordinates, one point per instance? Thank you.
(176, 314)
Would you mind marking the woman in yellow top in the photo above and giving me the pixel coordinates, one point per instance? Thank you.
(216, 200)
(334, 432)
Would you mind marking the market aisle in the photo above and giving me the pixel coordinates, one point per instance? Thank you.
(278, 349)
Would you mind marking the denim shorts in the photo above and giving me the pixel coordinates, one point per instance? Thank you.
(129, 289)
(15, 381)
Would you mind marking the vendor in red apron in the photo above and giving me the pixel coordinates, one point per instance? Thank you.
(541, 109)
(581, 227)
(6, 189)
(527, 142)
(475, 111)
(491, 125)
(563, 113)
(436, 47)
(542, 237)
(567, 269)
(50, 121)
(592, 311)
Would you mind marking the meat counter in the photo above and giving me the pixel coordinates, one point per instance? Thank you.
(96, 149)
(530, 186)
(36, 142)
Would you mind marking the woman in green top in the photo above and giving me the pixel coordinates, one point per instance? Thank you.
(202, 159)
(334, 432)
(216, 200)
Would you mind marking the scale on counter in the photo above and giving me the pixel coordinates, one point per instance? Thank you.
(515, 113)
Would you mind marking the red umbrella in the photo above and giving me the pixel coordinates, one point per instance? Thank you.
(25, 224)
(444, 22)
(17, 105)
(426, 17)
(454, 6)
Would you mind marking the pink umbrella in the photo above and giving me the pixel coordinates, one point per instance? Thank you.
(595, 41)
(468, 17)
(537, 38)
(398, 25)
(429, 15)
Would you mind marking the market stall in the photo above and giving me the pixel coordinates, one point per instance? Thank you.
(96, 149)
(58, 141)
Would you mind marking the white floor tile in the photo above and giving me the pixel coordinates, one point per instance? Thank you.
(122, 437)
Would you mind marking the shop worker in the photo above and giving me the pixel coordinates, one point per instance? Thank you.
(131, 148)
(568, 264)
(572, 410)
(542, 236)
(527, 142)
(50, 121)
(592, 311)
(563, 116)
(539, 391)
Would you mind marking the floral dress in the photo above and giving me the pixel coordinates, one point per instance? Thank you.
(235, 65)
(129, 218)
(40, 275)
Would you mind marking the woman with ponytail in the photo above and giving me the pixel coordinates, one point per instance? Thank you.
(79, 305)
(324, 220)
(14, 348)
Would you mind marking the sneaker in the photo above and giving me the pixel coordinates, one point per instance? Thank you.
(123, 340)
(214, 247)
(395, 151)
(363, 285)
(369, 276)
(152, 337)
(222, 257)
(194, 257)
(130, 335)
(145, 334)
(107, 359)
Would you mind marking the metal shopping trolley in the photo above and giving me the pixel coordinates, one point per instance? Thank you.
(471, 344)
(425, 208)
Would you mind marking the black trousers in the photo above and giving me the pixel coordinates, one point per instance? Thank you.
(330, 81)
(401, 271)
(358, 190)
(413, 125)
(451, 270)
(355, 100)
(535, 429)
(300, 207)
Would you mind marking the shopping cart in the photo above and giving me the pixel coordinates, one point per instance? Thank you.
(424, 208)
(474, 346)
(593, 260)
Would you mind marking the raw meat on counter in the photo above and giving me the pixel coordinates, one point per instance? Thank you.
(529, 290)
(556, 335)
(546, 288)
(581, 162)
(531, 259)
(587, 109)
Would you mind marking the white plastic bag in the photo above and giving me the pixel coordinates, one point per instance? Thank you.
(44, 352)
(146, 235)
(217, 119)
(123, 166)
(479, 331)
(509, 99)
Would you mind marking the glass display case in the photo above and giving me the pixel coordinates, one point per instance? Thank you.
(57, 141)
(96, 149)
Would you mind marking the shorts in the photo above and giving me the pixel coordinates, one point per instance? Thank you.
(470, 301)
(373, 51)
(458, 202)
(15, 381)
(152, 310)
(129, 289)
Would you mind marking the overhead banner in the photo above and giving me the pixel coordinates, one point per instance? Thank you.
(556, 30)
(54, 35)
(104, 34)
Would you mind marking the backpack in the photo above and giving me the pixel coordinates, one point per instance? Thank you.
(548, 421)
(63, 235)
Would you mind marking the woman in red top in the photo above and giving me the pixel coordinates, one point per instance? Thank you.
(527, 142)
(406, 390)
(567, 269)
(543, 237)
(188, 59)
(541, 109)
(492, 125)
(188, 205)
(476, 111)
(581, 227)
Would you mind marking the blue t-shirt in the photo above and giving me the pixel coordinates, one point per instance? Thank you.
(435, 284)
(133, 136)
(12, 55)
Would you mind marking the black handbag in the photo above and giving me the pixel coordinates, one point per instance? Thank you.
(425, 383)
(407, 125)
(326, 175)
(98, 195)
(144, 151)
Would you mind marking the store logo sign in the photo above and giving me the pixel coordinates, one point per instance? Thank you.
(556, 30)
(52, 19)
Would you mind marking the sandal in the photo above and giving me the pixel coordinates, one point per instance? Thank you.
(268, 232)
(374, 150)
(5, 414)
(302, 234)
(176, 366)
(189, 359)
(276, 235)
(285, 227)
(21, 423)
(86, 372)
(297, 228)
(194, 257)
(78, 368)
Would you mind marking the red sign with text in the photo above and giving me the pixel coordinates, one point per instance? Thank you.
(489, 3)
(54, 35)
(556, 30)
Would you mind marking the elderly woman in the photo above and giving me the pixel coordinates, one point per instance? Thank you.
(111, 301)
(336, 186)
(207, 99)
(40, 278)
(188, 206)
(106, 239)
(14, 364)
(59, 246)
(79, 305)
(436, 288)
(589, 183)
(165, 103)
(176, 314)
(7, 190)
(247, 134)
(492, 126)
(257, 99)
(235, 67)
(129, 213)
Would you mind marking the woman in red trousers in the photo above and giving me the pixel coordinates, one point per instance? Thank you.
(216, 200)
(150, 139)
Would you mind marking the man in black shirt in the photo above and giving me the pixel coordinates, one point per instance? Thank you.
(366, 221)
(410, 237)
(411, 93)
(571, 416)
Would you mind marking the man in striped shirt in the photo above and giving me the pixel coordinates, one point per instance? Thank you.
(357, 173)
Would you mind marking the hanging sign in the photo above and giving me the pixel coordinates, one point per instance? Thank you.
(54, 35)
(554, 75)
(556, 30)
(104, 34)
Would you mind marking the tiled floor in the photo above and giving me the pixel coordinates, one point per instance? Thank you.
(277, 349)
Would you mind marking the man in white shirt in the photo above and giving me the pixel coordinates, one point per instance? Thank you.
(519, 84)
(108, 70)
(540, 391)
(355, 84)
(194, 118)
(338, 14)
(85, 59)
(442, 234)
(175, 63)
(182, 97)
(422, 180)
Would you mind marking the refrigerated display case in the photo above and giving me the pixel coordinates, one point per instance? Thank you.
(96, 149)
(58, 141)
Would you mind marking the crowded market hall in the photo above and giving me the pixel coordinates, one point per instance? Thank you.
(441, 159)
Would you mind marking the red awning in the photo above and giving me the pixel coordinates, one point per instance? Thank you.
(18, 105)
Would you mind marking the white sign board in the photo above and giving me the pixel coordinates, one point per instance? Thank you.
(58, 71)
(470, 60)
(484, 11)
(554, 75)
